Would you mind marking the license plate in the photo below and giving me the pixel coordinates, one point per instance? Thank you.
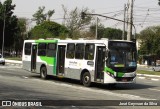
(124, 79)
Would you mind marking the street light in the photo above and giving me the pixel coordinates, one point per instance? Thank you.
(83, 14)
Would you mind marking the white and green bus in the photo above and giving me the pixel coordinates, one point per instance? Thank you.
(101, 61)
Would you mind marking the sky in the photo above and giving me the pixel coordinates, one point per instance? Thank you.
(145, 12)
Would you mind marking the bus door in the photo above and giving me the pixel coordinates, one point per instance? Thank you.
(33, 58)
(100, 63)
(61, 60)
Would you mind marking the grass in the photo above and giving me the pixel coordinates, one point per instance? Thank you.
(14, 58)
(148, 72)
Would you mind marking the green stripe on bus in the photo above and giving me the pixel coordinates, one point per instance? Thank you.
(46, 41)
(50, 61)
(107, 69)
(54, 66)
(119, 74)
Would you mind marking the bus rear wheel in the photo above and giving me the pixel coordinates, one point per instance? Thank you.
(86, 79)
(43, 72)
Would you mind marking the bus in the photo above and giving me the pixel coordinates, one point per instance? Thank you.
(100, 61)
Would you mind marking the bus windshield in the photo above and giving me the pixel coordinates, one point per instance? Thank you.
(122, 56)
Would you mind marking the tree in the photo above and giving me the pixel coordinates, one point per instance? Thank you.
(112, 33)
(74, 23)
(150, 41)
(109, 33)
(48, 29)
(49, 14)
(20, 36)
(100, 30)
(6, 15)
(40, 16)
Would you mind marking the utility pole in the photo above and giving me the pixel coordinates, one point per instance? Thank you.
(96, 36)
(4, 24)
(124, 23)
(129, 34)
(83, 14)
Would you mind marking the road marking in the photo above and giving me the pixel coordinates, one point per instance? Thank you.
(11, 67)
(25, 77)
(154, 89)
(154, 79)
(127, 96)
(141, 77)
(148, 82)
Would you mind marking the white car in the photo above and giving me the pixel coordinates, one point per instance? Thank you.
(156, 68)
(2, 60)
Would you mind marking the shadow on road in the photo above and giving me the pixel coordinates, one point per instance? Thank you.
(129, 86)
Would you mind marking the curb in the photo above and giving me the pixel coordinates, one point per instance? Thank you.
(13, 64)
(149, 77)
(146, 75)
(143, 66)
(153, 79)
(13, 61)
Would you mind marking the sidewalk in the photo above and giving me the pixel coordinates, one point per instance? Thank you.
(145, 66)
(149, 77)
(13, 61)
(153, 77)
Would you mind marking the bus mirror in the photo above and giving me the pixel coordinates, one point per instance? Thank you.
(106, 54)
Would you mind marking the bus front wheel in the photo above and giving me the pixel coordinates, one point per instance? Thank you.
(43, 72)
(86, 79)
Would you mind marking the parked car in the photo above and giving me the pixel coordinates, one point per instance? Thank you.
(2, 60)
(156, 68)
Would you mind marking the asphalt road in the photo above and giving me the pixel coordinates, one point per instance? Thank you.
(18, 84)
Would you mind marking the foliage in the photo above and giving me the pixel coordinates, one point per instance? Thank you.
(109, 33)
(40, 16)
(150, 41)
(10, 20)
(100, 30)
(21, 34)
(48, 29)
(112, 33)
(74, 23)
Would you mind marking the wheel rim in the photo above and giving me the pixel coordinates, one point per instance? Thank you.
(86, 79)
(43, 73)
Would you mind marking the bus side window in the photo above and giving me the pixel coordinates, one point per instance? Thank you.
(51, 50)
(79, 54)
(42, 49)
(27, 50)
(70, 50)
(89, 51)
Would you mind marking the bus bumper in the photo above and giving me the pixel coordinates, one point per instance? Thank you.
(126, 79)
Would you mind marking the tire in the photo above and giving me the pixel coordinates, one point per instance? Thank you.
(86, 79)
(43, 73)
(3, 63)
(111, 85)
